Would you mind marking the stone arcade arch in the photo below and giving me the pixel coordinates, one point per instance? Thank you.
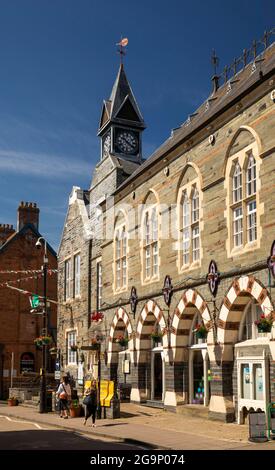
(143, 388)
(117, 354)
(120, 323)
(191, 304)
(225, 366)
(237, 297)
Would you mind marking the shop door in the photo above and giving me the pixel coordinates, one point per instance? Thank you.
(198, 378)
(252, 384)
(158, 376)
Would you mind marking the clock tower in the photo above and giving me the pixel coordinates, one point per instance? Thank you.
(121, 123)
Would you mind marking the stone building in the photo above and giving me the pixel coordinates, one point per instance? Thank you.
(20, 263)
(173, 251)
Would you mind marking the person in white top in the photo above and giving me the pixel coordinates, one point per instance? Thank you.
(64, 394)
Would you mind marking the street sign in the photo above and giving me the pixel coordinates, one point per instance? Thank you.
(34, 300)
(57, 374)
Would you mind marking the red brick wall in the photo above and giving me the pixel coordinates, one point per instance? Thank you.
(18, 327)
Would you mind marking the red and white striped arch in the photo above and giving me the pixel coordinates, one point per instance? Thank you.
(150, 314)
(239, 294)
(190, 304)
(121, 321)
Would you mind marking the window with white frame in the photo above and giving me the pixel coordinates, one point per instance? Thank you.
(67, 286)
(77, 275)
(190, 225)
(120, 258)
(99, 285)
(243, 201)
(151, 244)
(71, 347)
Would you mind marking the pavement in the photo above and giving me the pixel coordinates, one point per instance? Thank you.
(151, 428)
(26, 435)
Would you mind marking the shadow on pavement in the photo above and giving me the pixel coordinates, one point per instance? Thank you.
(112, 424)
(54, 440)
(124, 414)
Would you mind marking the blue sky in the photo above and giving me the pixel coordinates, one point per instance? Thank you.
(58, 61)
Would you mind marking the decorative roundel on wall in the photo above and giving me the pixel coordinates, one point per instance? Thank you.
(271, 260)
(213, 277)
(272, 95)
(211, 139)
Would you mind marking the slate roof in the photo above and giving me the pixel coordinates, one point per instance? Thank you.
(23, 230)
(225, 96)
(121, 95)
(120, 91)
(127, 166)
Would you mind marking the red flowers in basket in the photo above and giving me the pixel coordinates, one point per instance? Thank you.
(97, 316)
(122, 340)
(264, 324)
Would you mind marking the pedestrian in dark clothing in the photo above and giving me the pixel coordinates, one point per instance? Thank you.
(90, 403)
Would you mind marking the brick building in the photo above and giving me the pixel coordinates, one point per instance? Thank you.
(175, 244)
(20, 262)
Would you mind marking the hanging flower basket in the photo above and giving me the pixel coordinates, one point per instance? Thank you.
(264, 324)
(97, 316)
(42, 340)
(200, 331)
(95, 345)
(73, 347)
(122, 341)
(156, 336)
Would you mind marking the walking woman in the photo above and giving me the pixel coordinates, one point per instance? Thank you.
(64, 394)
(90, 403)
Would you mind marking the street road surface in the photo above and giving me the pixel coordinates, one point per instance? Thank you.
(22, 435)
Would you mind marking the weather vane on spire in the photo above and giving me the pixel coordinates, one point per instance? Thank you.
(123, 43)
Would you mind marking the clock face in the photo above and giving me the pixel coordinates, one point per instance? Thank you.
(107, 145)
(127, 142)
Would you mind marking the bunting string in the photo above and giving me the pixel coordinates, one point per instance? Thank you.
(26, 292)
(26, 271)
(15, 281)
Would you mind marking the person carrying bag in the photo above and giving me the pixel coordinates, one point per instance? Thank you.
(64, 395)
(90, 403)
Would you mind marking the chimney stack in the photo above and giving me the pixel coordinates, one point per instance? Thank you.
(6, 231)
(27, 213)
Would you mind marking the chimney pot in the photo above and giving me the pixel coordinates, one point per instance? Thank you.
(6, 230)
(28, 213)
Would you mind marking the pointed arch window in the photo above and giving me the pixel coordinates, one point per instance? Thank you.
(151, 244)
(251, 184)
(185, 228)
(121, 242)
(237, 183)
(243, 205)
(190, 226)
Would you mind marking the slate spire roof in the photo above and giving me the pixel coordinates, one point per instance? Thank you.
(122, 105)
